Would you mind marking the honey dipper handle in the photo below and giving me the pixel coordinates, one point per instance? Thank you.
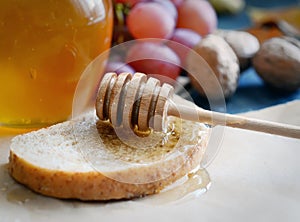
(187, 110)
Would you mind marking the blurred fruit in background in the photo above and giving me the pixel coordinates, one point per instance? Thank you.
(118, 67)
(181, 26)
(276, 22)
(168, 6)
(182, 41)
(197, 15)
(150, 20)
(154, 58)
(228, 6)
(289, 14)
(178, 24)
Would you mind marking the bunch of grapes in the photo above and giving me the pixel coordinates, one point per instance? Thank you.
(164, 31)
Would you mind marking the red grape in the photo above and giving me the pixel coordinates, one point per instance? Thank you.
(169, 7)
(197, 15)
(154, 58)
(150, 20)
(182, 41)
(177, 2)
(118, 67)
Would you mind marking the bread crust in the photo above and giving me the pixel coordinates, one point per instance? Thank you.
(90, 185)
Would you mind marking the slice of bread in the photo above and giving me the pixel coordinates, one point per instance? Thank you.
(85, 159)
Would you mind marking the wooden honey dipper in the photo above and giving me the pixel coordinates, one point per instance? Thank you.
(133, 100)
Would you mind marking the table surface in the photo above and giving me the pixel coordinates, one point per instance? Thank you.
(252, 93)
(254, 177)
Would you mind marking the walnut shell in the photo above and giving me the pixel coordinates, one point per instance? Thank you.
(278, 62)
(221, 69)
(244, 44)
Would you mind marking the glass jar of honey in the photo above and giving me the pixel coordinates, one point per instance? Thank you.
(44, 48)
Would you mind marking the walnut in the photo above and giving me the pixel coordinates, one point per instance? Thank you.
(278, 62)
(244, 44)
(218, 68)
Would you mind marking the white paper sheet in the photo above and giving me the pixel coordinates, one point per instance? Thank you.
(254, 177)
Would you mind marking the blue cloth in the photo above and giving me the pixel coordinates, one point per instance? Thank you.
(252, 93)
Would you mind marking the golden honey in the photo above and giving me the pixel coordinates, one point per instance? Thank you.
(44, 48)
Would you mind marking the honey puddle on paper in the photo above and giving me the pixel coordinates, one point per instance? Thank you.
(20, 195)
(190, 186)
